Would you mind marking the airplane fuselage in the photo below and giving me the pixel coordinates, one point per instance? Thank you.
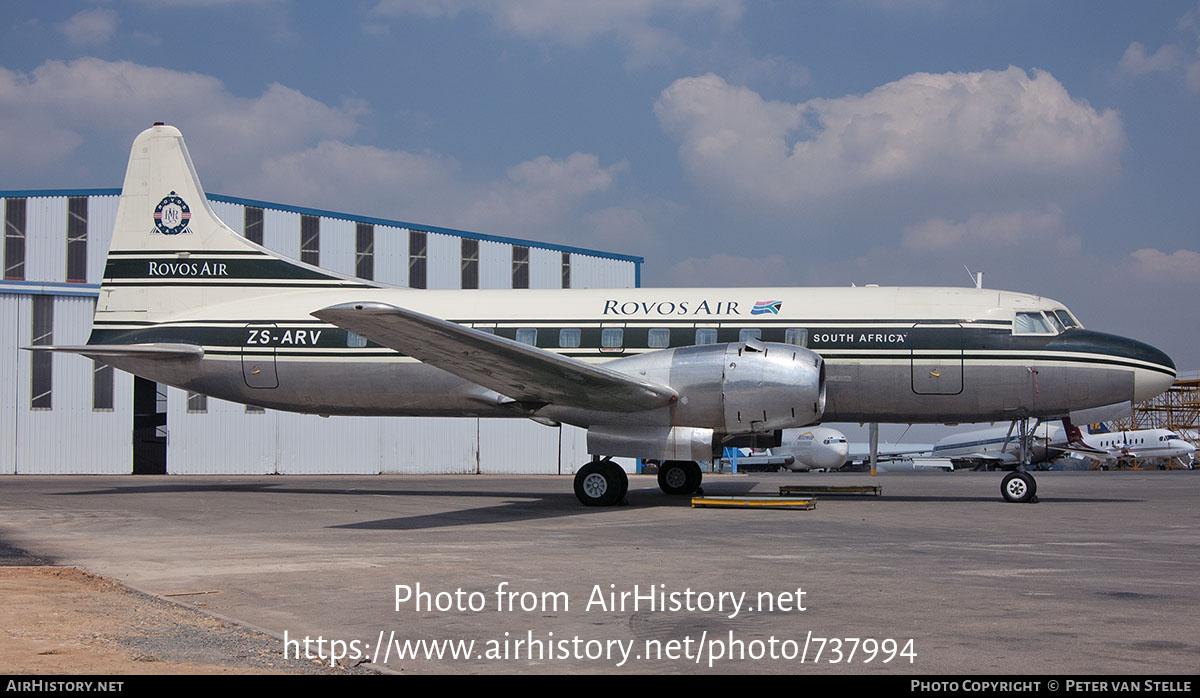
(918, 354)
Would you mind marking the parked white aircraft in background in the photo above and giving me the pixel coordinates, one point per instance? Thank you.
(1121, 446)
(815, 448)
(999, 447)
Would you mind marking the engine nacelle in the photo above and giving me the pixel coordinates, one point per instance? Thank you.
(739, 388)
(660, 443)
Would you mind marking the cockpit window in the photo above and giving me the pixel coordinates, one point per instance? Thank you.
(1066, 318)
(1027, 322)
(1058, 326)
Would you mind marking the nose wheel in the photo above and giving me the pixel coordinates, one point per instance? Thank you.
(1019, 487)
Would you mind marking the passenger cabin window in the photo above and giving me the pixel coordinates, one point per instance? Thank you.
(706, 335)
(612, 339)
(660, 338)
(527, 335)
(749, 333)
(1032, 323)
(355, 341)
(797, 336)
(568, 338)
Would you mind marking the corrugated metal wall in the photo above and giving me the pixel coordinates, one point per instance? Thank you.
(338, 243)
(444, 266)
(391, 255)
(71, 437)
(10, 326)
(46, 255)
(495, 265)
(281, 232)
(102, 215)
(224, 439)
(597, 272)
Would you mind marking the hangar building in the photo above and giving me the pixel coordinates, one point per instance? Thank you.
(67, 414)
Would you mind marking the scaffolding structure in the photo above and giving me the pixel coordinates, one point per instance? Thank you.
(1177, 409)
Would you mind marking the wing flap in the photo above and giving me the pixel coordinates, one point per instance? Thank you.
(520, 371)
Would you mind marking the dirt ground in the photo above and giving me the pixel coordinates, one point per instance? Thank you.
(63, 620)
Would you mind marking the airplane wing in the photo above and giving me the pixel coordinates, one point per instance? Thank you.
(520, 371)
(862, 452)
(766, 460)
(1082, 450)
(161, 350)
(1004, 457)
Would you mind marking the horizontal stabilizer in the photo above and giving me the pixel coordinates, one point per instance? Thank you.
(163, 351)
(520, 371)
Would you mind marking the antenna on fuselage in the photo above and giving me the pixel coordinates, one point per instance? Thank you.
(976, 279)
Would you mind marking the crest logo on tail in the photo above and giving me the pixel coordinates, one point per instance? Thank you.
(172, 215)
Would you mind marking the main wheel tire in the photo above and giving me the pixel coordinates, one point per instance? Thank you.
(601, 484)
(674, 477)
(695, 475)
(1018, 487)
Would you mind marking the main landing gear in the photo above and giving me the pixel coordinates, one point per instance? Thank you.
(679, 477)
(601, 483)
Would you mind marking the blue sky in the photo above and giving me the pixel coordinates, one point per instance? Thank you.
(1048, 144)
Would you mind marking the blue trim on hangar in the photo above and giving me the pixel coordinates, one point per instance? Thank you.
(637, 261)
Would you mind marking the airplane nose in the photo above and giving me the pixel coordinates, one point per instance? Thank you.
(1150, 382)
(1153, 370)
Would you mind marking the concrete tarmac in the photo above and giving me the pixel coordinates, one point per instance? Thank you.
(939, 575)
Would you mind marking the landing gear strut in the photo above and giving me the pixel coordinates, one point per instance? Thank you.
(1019, 486)
(679, 477)
(601, 483)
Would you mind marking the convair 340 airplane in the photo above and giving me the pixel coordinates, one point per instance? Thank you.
(669, 374)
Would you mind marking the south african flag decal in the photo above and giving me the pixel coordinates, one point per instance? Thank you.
(764, 307)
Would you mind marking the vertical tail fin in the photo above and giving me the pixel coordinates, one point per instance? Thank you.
(163, 206)
(170, 253)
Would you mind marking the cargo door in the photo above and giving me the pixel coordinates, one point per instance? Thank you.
(258, 355)
(937, 359)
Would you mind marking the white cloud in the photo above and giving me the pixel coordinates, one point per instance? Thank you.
(284, 146)
(355, 178)
(644, 27)
(1033, 230)
(1137, 62)
(617, 228)
(537, 198)
(723, 269)
(1183, 266)
(53, 107)
(537, 194)
(921, 135)
(1173, 59)
(92, 27)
